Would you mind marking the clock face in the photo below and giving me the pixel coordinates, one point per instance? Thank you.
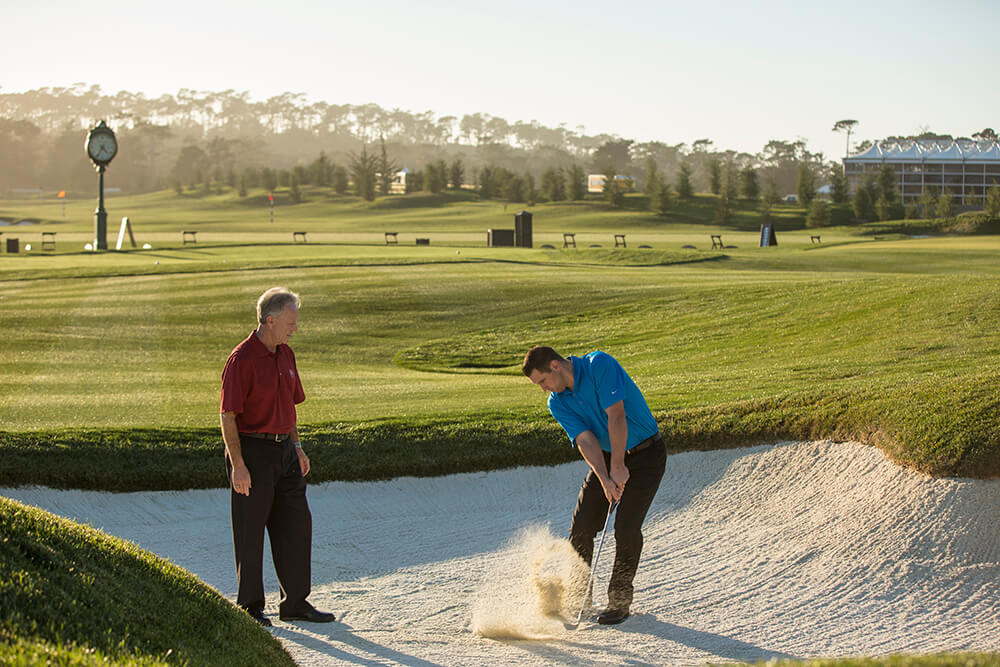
(102, 147)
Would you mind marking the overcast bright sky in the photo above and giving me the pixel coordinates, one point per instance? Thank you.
(737, 72)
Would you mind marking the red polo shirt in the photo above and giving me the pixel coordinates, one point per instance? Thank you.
(261, 388)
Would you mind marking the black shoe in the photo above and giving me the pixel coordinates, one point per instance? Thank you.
(310, 614)
(258, 615)
(612, 616)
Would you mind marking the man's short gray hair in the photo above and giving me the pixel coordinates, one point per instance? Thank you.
(274, 301)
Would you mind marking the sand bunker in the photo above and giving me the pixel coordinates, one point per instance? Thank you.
(794, 550)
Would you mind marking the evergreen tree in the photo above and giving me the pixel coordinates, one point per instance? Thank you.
(386, 169)
(576, 182)
(770, 198)
(515, 189)
(714, 169)
(457, 175)
(749, 185)
(653, 178)
(838, 185)
(863, 206)
(294, 190)
(945, 204)
(684, 188)
(927, 203)
(819, 214)
(664, 199)
(992, 206)
(554, 184)
(612, 191)
(364, 168)
(888, 183)
(340, 180)
(883, 207)
(435, 176)
(243, 186)
(321, 171)
(806, 184)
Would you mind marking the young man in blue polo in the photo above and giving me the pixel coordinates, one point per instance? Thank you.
(608, 421)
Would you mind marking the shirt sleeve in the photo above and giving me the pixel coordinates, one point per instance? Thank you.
(609, 378)
(570, 422)
(298, 393)
(233, 388)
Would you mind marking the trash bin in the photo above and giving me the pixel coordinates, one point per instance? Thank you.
(522, 229)
(13, 245)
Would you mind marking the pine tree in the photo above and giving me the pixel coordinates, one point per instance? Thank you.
(457, 175)
(819, 214)
(576, 182)
(664, 199)
(684, 188)
(386, 169)
(749, 185)
(945, 205)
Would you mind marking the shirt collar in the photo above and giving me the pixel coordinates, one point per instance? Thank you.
(257, 346)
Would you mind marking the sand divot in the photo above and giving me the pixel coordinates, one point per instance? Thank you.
(534, 587)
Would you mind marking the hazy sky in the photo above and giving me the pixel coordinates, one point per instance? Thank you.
(735, 71)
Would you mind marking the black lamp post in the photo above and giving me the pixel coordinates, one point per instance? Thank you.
(102, 146)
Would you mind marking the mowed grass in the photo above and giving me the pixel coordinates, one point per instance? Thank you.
(72, 595)
(410, 355)
(410, 362)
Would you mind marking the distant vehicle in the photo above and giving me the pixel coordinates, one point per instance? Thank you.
(792, 199)
(595, 183)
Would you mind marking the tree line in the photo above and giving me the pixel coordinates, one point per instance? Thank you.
(196, 138)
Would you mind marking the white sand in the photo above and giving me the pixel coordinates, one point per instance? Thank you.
(797, 550)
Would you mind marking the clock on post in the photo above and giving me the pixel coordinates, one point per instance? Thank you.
(102, 146)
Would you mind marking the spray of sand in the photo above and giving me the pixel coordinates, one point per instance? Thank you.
(534, 586)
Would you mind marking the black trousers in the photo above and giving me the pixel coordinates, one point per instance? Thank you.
(277, 502)
(645, 469)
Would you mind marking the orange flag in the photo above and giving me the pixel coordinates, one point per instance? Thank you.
(62, 194)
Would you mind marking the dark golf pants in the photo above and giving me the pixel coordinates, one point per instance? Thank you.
(277, 503)
(646, 469)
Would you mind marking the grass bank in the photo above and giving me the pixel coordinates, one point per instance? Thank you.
(73, 595)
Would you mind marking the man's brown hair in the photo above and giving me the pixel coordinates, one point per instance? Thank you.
(539, 358)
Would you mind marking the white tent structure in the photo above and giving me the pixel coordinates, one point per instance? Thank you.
(964, 167)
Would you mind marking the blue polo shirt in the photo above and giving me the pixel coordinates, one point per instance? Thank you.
(599, 382)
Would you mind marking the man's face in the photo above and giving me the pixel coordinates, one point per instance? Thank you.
(285, 324)
(551, 380)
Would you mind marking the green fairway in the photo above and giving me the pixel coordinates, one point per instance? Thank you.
(886, 339)
(410, 354)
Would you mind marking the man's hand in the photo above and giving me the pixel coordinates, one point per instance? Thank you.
(303, 461)
(241, 479)
(611, 490)
(619, 476)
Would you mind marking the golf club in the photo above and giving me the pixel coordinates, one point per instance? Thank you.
(593, 564)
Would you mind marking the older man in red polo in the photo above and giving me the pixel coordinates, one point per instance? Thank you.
(266, 464)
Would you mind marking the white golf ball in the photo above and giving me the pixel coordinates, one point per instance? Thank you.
(27, 246)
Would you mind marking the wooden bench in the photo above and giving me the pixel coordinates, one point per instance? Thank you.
(569, 240)
(619, 240)
(189, 237)
(299, 235)
(815, 239)
(392, 237)
(48, 240)
(717, 241)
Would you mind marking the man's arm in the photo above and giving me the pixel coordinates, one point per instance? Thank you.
(590, 450)
(231, 438)
(618, 432)
(303, 459)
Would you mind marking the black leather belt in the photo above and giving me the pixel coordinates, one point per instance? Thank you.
(646, 444)
(273, 437)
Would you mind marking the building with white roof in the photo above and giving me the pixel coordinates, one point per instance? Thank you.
(964, 167)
